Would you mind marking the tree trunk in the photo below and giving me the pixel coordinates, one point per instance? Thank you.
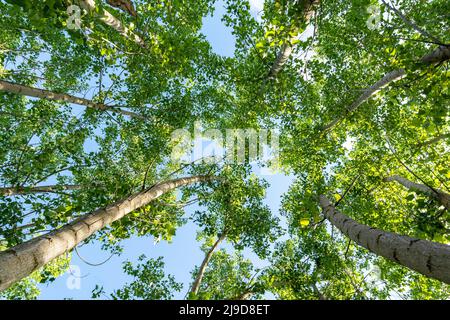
(369, 92)
(441, 54)
(13, 191)
(202, 269)
(437, 194)
(282, 58)
(124, 5)
(110, 20)
(49, 95)
(428, 258)
(286, 49)
(433, 140)
(21, 260)
(438, 55)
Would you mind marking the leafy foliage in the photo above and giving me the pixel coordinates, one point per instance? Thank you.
(173, 79)
(150, 282)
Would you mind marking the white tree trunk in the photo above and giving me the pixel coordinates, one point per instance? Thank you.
(286, 49)
(441, 54)
(202, 269)
(428, 258)
(439, 195)
(108, 19)
(369, 92)
(282, 58)
(14, 191)
(438, 55)
(21, 260)
(49, 95)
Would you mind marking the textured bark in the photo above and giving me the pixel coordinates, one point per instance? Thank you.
(13, 191)
(286, 49)
(49, 95)
(428, 258)
(202, 269)
(437, 194)
(108, 19)
(21, 260)
(438, 55)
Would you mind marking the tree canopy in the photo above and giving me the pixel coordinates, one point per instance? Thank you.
(357, 93)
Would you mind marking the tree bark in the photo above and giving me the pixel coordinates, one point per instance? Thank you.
(280, 61)
(441, 54)
(437, 194)
(110, 20)
(428, 258)
(13, 191)
(438, 55)
(198, 280)
(286, 49)
(21, 260)
(49, 95)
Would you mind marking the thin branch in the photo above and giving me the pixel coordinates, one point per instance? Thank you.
(412, 24)
(90, 263)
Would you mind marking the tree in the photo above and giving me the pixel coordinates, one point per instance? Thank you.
(305, 12)
(149, 282)
(201, 271)
(441, 196)
(428, 258)
(357, 92)
(235, 213)
(242, 278)
(437, 56)
(44, 94)
(21, 260)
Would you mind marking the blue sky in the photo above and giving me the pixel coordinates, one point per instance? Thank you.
(184, 252)
(180, 256)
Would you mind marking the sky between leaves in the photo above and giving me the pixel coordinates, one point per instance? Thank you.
(344, 134)
(184, 246)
